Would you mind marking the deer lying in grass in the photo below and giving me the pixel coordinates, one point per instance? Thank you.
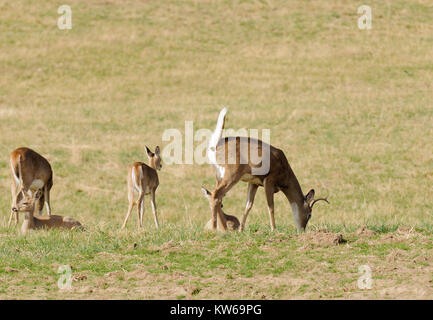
(232, 221)
(29, 172)
(233, 159)
(27, 205)
(143, 179)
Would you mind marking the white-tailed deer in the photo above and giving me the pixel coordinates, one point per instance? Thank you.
(143, 179)
(235, 159)
(27, 204)
(29, 173)
(232, 221)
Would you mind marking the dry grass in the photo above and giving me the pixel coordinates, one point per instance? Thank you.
(351, 109)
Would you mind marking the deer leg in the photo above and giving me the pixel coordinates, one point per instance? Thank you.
(252, 189)
(269, 190)
(46, 197)
(155, 215)
(140, 209)
(14, 213)
(40, 204)
(215, 208)
(215, 217)
(130, 206)
(216, 200)
(14, 209)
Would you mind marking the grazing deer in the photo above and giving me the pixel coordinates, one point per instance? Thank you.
(27, 204)
(278, 176)
(143, 179)
(232, 221)
(29, 172)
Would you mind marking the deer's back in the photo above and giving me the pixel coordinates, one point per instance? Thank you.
(56, 221)
(144, 176)
(234, 153)
(33, 166)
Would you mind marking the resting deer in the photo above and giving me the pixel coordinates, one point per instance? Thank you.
(27, 204)
(143, 179)
(232, 221)
(29, 172)
(232, 159)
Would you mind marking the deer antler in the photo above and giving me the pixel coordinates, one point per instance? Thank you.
(324, 199)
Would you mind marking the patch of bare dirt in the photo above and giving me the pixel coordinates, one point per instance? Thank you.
(137, 274)
(407, 232)
(364, 232)
(167, 247)
(305, 246)
(114, 274)
(396, 255)
(193, 290)
(322, 238)
(78, 277)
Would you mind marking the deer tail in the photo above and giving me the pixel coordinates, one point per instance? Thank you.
(216, 136)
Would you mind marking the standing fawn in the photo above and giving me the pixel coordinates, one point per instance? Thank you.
(143, 179)
(232, 221)
(29, 172)
(27, 204)
(233, 159)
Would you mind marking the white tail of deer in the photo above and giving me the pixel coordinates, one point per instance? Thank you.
(143, 179)
(29, 173)
(27, 204)
(279, 177)
(232, 221)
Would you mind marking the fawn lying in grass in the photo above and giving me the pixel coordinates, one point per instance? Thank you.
(27, 205)
(232, 221)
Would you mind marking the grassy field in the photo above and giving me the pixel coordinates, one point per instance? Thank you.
(352, 109)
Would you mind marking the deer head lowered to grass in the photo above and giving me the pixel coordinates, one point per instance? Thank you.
(27, 205)
(29, 172)
(231, 157)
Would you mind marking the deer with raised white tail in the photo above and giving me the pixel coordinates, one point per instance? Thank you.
(259, 164)
(231, 221)
(143, 179)
(29, 172)
(27, 204)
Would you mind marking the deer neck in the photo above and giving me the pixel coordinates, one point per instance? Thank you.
(294, 194)
(293, 190)
(152, 164)
(28, 223)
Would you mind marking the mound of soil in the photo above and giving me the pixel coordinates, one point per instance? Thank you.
(322, 238)
(405, 230)
(363, 231)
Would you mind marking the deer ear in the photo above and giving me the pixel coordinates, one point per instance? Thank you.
(205, 192)
(149, 153)
(157, 150)
(309, 196)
